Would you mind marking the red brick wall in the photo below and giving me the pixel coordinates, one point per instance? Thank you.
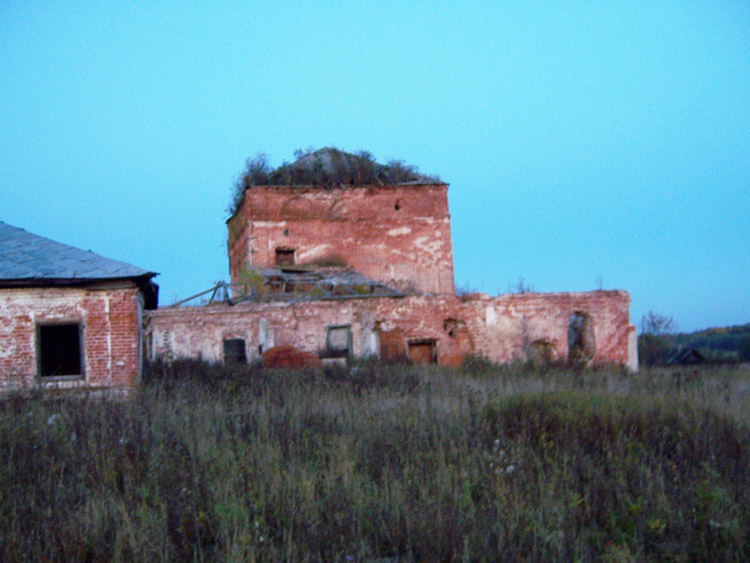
(111, 334)
(399, 235)
(504, 327)
(499, 328)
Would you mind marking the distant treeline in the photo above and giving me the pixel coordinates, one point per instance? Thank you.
(727, 343)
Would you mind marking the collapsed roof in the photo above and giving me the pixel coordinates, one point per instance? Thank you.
(293, 284)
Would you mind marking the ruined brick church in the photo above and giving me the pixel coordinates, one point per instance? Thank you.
(335, 256)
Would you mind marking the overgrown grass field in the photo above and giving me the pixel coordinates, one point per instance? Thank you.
(388, 463)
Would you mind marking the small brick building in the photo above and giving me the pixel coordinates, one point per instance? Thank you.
(392, 230)
(68, 317)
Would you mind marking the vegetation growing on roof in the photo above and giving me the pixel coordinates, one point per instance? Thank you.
(328, 168)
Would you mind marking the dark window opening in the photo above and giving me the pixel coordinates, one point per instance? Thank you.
(453, 327)
(60, 350)
(399, 205)
(541, 352)
(338, 341)
(581, 346)
(423, 351)
(234, 351)
(286, 232)
(285, 257)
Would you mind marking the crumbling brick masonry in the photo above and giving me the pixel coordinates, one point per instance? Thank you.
(396, 234)
(424, 329)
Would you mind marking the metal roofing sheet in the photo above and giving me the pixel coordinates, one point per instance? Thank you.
(26, 256)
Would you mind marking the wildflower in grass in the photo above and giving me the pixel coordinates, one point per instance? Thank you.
(499, 459)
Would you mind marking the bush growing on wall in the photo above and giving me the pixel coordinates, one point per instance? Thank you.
(256, 173)
(328, 168)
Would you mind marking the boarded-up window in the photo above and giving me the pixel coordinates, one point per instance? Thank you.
(59, 350)
(284, 256)
(339, 341)
(422, 352)
(234, 351)
(541, 352)
(392, 346)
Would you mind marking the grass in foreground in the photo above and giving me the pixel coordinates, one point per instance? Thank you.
(403, 463)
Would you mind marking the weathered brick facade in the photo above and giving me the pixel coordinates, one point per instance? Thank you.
(108, 317)
(69, 318)
(505, 328)
(397, 235)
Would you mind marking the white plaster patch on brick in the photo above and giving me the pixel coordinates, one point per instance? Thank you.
(8, 350)
(632, 363)
(399, 231)
(316, 196)
(490, 316)
(265, 337)
(314, 252)
(269, 224)
(370, 344)
(428, 244)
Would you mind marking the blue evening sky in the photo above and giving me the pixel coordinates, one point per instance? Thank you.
(586, 144)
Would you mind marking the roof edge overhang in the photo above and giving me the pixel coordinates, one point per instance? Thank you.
(76, 282)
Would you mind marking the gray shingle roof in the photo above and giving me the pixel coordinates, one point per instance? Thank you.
(25, 257)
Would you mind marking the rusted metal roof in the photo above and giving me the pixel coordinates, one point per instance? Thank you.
(26, 257)
(294, 284)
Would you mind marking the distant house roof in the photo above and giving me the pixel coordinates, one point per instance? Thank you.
(686, 356)
(31, 259)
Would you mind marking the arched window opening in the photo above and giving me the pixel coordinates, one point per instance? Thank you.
(581, 345)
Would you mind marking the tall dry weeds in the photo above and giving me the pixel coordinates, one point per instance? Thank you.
(381, 462)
